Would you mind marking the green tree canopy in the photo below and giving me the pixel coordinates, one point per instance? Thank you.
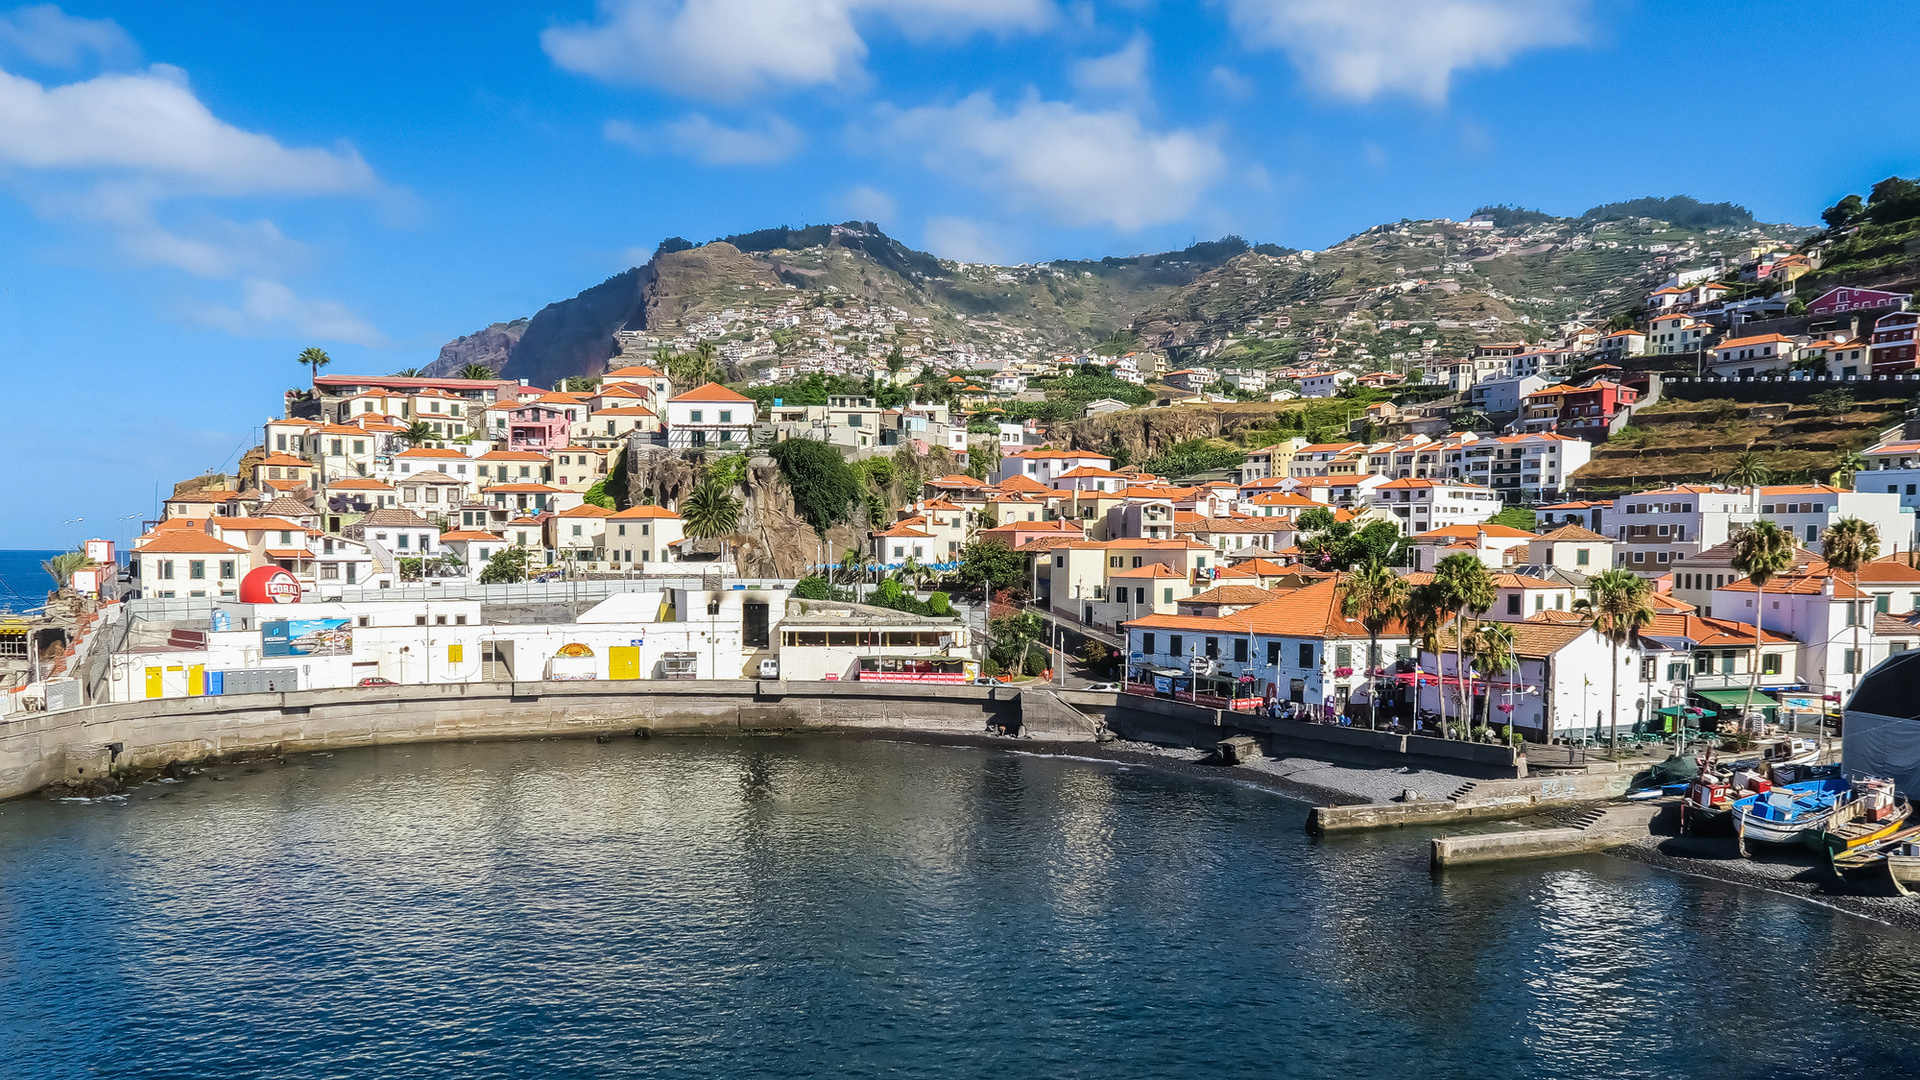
(506, 566)
(824, 487)
(991, 564)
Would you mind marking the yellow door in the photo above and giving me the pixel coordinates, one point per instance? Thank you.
(196, 679)
(623, 662)
(153, 682)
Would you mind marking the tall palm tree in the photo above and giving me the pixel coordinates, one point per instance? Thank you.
(1426, 611)
(1622, 605)
(1750, 470)
(1467, 586)
(1376, 596)
(1847, 545)
(314, 357)
(418, 433)
(1761, 551)
(407, 373)
(1493, 654)
(61, 567)
(1850, 463)
(711, 512)
(475, 371)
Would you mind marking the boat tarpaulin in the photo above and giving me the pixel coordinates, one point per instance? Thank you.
(1881, 734)
(1675, 769)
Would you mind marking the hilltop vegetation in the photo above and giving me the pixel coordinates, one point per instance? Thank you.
(1873, 241)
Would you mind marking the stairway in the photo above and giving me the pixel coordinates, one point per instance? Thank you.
(1463, 790)
(1589, 817)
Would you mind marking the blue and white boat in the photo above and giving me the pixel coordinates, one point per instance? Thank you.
(1779, 816)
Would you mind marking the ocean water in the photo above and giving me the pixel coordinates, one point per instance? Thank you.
(822, 907)
(22, 583)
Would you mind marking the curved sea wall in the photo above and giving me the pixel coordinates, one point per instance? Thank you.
(38, 749)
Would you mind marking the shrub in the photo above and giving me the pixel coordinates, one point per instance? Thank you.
(939, 604)
(1037, 662)
(812, 588)
(991, 667)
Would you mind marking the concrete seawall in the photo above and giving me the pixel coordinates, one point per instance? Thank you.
(1487, 801)
(38, 749)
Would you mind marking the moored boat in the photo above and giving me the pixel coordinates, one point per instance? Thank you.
(1903, 866)
(1869, 859)
(1869, 813)
(1780, 815)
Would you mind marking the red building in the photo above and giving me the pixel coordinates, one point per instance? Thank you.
(1892, 344)
(1844, 299)
(1587, 412)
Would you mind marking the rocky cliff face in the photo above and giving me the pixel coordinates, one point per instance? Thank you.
(575, 337)
(1147, 432)
(491, 347)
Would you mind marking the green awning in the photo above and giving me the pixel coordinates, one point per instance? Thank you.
(1738, 698)
(1674, 710)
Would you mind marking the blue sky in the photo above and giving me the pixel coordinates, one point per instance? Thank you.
(190, 193)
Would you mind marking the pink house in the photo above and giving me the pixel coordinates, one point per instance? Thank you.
(543, 423)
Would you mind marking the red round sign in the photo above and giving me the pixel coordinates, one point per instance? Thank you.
(269, 585)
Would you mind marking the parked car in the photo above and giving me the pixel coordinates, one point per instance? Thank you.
(769, 669)
(1103, 686)
(984, 681)
(377, 681)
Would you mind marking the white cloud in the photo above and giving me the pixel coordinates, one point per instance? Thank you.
(139, 155)
(151, 124)
(45, 35)
(268, 307)
(870, 204)
(960, 240)
(1077, 166)
(697, 137)
(1360, 49)
(1231, 83)
(1124, 72)
(726, 50)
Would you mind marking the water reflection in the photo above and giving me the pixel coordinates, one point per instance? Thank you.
(811, 907)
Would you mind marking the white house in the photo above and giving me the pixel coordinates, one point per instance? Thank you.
(1324, 384)
(709, 415)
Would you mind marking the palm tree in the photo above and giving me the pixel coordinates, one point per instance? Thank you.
(407, 373)
(1847, 545)
(1426, 611)
(1750, 470)
(61, 567)
(1493, 654)
(696, 368)
(314, 357)
(475, 371)
(1761, 551)
(1468, 588)
(1376, 596)
(418, 433)
(1622, 605)
(711, 512)
(1850, 463)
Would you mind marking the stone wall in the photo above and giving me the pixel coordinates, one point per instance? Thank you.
(146, 734)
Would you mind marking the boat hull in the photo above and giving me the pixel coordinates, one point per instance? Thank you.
(1703, 821)
(1905, 872)
(1839, 842)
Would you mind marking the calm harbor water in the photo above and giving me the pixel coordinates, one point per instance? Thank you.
(815, 907)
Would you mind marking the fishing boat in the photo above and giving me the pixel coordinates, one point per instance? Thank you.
(1780, 815)
(1707, 808)
(1903, 866)
(1869, 859)
(1869, 813)
(1792, 751)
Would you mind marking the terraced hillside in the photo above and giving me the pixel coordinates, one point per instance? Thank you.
(1693, 441)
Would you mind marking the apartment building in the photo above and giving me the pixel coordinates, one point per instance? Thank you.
(1424, 505)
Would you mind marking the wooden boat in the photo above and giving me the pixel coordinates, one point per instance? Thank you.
(1780, 815)
(1707, 808)
(1792, 751)
(1869, 859)
(1870, 813)
(1903, 866)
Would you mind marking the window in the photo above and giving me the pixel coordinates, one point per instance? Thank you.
(197, 570)
(1240, 650)
(419, 620)
(1677, 671)
(1580, 557)
(1851, 661)
(166, 570)
(1647, 670)
(1146, 644)
(1881, 602)
(1175, 644)
(1726, 661)
(226, 568)
(693, 417)
(1770, 663)
(1513, 603)
(1813, 533)
(1112, 560)
(1306, 655)
(1168, 597)
(401, 539)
